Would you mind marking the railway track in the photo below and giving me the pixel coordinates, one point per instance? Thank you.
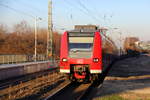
(80, 91)
(59, 89)
(70, 92)
(29, 87)
(75, 91)
(17, 80)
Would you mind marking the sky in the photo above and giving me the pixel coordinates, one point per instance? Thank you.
(129, 17)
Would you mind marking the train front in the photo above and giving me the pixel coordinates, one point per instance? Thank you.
(81, 56)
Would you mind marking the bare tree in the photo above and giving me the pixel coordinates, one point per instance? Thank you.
(21, 40)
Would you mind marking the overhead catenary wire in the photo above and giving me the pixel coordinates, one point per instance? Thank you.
(108, 39)
(20, 12)
(35, 25)
(76, 7)
(16, 10)
(95, 16)
(28, 5)
(83, 10)
(87, 10)
(104, 18)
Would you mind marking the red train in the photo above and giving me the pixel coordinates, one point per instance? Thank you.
(81, 55)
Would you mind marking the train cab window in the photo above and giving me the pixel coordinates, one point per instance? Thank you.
(80, 47)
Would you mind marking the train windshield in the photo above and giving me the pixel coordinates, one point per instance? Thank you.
(80, 47)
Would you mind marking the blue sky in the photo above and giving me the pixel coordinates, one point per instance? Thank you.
(131, 17)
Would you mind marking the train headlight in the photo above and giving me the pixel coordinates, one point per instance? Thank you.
(64, 59)
(95, 60)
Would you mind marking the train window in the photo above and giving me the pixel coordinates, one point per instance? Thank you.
(80, 47)
(80, 43)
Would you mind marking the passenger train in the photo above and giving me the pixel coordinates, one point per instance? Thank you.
(81, 56)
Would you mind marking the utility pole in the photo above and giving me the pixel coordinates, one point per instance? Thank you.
(120, 43)
(50, 32)
(35, 36)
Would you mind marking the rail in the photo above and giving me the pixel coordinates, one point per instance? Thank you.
(32, 87)
(83, 91)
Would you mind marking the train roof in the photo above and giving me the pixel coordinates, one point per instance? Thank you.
(82, 32)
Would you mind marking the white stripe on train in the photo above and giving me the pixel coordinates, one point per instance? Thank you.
(91, 71)
(95, 71)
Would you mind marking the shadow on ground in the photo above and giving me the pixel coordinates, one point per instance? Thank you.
(134, 67)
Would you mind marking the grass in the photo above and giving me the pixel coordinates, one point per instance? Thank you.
(112, 97)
